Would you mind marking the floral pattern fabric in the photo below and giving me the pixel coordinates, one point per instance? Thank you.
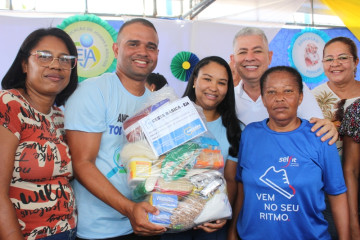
(329, 102)
(332, 107)
(350, 126)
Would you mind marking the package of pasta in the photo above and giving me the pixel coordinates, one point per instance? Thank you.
(201, 152)
(206, 202)
(141, 163)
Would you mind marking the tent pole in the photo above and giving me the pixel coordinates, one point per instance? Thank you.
(86, 7)
(182, 7)
(155, 8)
(312, 13)
(197, 9)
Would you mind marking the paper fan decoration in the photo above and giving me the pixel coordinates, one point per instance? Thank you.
(183, 64)
(93, 38)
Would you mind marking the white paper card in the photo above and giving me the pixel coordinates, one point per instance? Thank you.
(172, 125)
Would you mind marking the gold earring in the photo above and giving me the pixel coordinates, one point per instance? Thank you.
(194, 86)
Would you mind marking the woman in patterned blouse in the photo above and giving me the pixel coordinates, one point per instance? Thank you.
(340, 60)
(36, 197)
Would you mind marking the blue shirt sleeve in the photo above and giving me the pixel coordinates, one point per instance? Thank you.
(85, 109)
(333, 177)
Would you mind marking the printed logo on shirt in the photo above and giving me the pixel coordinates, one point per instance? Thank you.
(279, 181)
(115, 130)
(289, 161)
(119, 167)
(122, 117)
(276, 209)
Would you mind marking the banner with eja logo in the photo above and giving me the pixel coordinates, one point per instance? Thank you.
(93, 38)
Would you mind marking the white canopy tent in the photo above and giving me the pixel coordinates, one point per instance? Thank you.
(210, 32)
(269, 12)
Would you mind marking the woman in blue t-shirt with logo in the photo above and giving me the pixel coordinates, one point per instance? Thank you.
(284, 170)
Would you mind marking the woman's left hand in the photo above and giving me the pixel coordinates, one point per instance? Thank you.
(326, 129)
(212, 226)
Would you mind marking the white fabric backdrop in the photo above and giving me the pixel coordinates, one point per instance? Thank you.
(202, 37)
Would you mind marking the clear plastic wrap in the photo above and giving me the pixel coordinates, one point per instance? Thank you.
(159, 98)
(185, 183)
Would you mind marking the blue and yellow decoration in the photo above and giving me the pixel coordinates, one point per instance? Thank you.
(93, 38)
(348, 12)
(183, 64)
(305, 54)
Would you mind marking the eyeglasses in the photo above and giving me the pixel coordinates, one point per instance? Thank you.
(66, 62)
(341, 59)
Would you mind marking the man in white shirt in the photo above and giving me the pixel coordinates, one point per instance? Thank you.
(252, 58)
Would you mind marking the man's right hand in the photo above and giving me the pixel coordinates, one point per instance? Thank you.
(139, 219)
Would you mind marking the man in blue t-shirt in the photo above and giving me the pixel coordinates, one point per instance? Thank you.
(94, 117)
